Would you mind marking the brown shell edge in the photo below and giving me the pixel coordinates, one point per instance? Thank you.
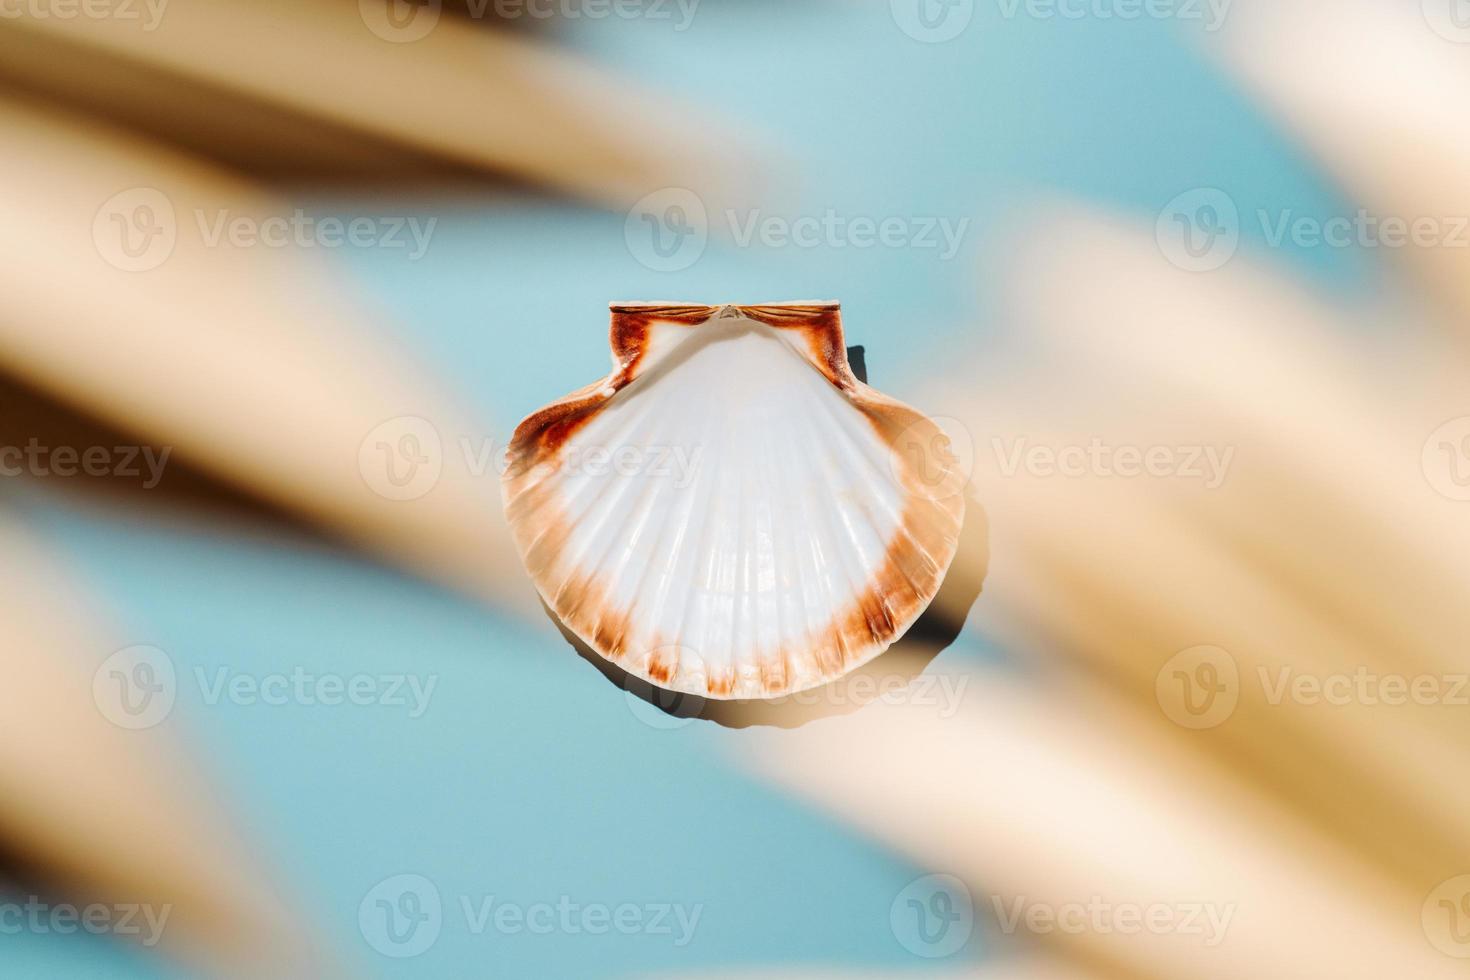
(919, 555)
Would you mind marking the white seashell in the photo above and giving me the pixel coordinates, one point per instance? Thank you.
(731, 513)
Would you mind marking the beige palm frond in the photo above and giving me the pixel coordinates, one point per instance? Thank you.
(104, 813)
(1324, 550)
(244, 360)
(1248, 673)
(1373, 89)
(227, 75)
(1037, 800)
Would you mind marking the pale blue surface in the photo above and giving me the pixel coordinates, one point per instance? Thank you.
(530, 777)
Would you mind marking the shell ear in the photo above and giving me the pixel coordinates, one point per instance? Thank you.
(633, 324)
(815, 332)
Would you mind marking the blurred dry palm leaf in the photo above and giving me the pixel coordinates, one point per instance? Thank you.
(1164, 754)
(329, 89)
(1377, 92)
(92, 811)
(251, 365)
(1245, 691)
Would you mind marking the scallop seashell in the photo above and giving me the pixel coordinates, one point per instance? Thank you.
(731, 513)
